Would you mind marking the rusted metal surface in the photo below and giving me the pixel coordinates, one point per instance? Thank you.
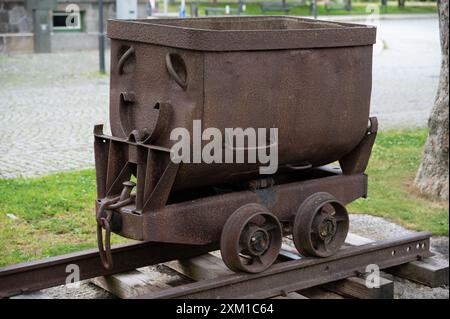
(49, 272)
(320, 226)
(199, 220)
(242, 33)
(309, 79)
(251, 239)
(319, 84)
(357, 160)
(303, 273)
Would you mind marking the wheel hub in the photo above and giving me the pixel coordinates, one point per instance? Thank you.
(327, 228)
(259, 242)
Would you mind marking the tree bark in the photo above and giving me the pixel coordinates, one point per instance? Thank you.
(432, 176)
(401, 3)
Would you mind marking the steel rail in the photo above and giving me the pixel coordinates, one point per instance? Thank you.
(50, 272)
(304, 273)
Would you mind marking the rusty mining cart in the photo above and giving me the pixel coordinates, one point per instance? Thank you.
(310, 79)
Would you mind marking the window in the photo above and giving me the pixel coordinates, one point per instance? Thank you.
(63, 21)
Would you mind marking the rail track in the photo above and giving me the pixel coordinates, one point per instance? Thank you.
(342, 273)
(36, 275)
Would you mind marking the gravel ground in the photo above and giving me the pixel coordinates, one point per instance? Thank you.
(378, 228)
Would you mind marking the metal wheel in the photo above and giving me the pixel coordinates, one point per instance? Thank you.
(320, 226)
(251, 239)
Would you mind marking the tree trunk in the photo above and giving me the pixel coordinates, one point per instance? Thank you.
(401, 3)
(432, 176)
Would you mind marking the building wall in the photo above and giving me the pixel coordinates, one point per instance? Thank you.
(14, 18)
(16, 25)
(88, 38)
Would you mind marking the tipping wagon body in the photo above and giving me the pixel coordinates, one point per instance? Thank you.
(309, 79)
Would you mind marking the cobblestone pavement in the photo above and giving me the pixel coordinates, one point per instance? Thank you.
(48, 107)
(49, 103)
(405, 72)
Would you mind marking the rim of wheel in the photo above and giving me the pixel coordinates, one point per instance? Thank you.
(251, 239)
(320, 226)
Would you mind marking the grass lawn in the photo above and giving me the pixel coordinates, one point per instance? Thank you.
(51, 215)
(392, 168)
(358, 8)
(41, 217)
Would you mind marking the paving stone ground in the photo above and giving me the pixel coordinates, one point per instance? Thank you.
(405, 72)
(48, 106)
